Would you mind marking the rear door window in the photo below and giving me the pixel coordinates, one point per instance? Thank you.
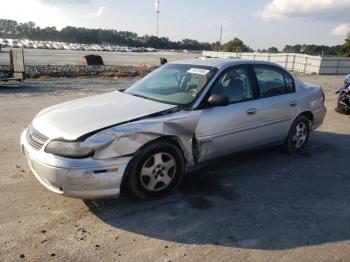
(271, 81)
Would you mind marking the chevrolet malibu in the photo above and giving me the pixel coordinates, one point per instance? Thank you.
(178, 117)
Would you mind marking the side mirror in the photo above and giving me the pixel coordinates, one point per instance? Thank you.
(218, 100)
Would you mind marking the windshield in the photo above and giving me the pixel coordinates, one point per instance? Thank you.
(173, 83)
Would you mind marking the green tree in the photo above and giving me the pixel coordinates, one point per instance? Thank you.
(236, 45)
(7, 27)
(293, 49)
(312, 49)
(273, 50)
(216, 46)
(345, 48)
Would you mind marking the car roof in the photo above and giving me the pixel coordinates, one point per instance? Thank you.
(220, 62)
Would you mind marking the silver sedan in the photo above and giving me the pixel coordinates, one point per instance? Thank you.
(178, 117)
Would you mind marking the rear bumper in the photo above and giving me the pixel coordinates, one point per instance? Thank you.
(318, 117)
(84, 178)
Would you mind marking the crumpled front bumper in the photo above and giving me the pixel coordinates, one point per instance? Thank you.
(77, 178)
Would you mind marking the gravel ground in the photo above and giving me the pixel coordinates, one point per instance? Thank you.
(257, 206)
(66, 63)
(63, 57)
(37, 71)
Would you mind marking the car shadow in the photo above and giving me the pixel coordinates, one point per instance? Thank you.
(260, 200)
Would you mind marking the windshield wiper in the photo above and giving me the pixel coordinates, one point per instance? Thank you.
(153, 99)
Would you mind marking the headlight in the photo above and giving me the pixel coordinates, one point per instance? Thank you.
(69, 149)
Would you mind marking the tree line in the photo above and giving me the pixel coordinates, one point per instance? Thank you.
(81, 35)
(345, 48)
(236, 45)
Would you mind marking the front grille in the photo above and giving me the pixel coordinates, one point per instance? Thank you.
(35, 138)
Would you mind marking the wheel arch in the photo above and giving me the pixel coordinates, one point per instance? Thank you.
(167, 138)
(308, 114)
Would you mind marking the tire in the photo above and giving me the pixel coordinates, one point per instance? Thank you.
(343, 108)
(156, 170)
(298, 135)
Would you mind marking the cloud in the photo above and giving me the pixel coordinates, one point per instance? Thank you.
(307, 9)
(341, 30)
(98, 13)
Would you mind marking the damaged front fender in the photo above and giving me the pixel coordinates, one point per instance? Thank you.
(127, 139)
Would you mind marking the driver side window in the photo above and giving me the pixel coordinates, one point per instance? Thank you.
(235, 84)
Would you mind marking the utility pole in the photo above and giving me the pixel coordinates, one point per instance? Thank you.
(157, 8)
(220, 39)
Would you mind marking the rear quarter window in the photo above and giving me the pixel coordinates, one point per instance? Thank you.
(289, 82)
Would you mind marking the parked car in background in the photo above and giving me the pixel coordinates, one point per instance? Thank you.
(34, 44)
(176, 118)
(4, 42)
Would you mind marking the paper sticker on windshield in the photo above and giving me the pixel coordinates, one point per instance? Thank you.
(198, 71)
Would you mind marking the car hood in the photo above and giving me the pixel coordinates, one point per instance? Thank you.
(76, 118)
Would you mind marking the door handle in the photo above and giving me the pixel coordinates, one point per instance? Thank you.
(293, 103)
(252, 111)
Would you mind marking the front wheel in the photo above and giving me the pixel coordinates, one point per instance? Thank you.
(156, 170)
(298, 135)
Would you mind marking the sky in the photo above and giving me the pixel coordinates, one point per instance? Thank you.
(259, 23)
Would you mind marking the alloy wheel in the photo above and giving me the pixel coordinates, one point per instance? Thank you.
(299, 135)
(158, 172)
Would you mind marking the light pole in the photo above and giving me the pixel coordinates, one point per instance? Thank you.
(220, 39)
(157, 8)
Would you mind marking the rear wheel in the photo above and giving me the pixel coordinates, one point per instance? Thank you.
(298, 135)
(156, 170)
